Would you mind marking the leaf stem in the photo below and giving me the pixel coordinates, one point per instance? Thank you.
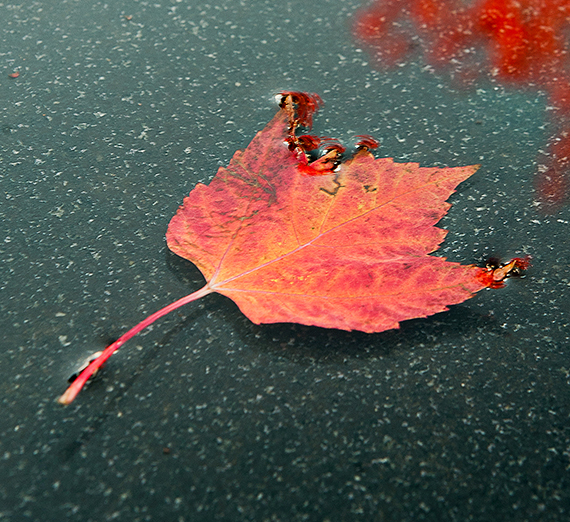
(84, 376)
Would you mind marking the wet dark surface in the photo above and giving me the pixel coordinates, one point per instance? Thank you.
(112, 121)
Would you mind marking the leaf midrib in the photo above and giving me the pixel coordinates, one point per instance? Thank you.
(214, 286)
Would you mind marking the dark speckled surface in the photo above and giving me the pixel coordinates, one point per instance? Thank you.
(207, 417)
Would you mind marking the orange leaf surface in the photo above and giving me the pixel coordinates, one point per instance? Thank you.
(347, 249)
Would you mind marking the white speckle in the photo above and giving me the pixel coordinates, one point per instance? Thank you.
(63, 340)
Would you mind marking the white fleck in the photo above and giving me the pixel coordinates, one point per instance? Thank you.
(63, 340)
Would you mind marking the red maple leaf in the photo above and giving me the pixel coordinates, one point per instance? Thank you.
(289, 240)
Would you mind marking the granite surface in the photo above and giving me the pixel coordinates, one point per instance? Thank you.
(120, 108)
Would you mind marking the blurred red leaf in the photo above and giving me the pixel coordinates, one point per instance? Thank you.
(522, 43)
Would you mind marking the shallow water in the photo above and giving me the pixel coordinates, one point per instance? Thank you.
(112, 121)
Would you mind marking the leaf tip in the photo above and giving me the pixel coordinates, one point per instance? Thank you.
(495, 273)
(366, 142)
(300, 106)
